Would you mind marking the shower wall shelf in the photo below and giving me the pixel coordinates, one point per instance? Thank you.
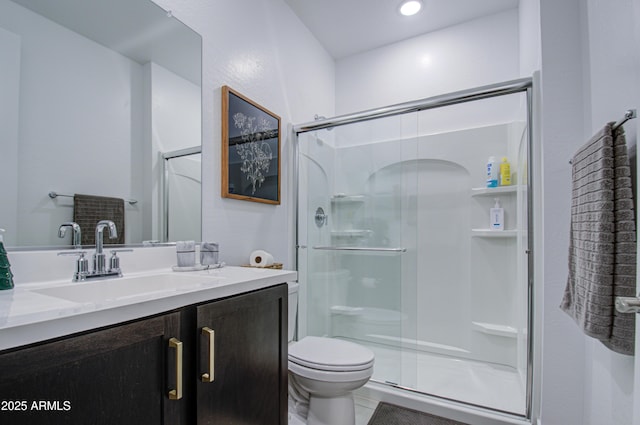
(494, 329)
(345, 199)
(482, 191)
(351, 233)
(491, 191)
(488, 233)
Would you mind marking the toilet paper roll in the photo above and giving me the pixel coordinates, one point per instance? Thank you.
(260, 258)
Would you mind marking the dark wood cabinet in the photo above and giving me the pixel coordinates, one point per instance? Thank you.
(125, 374)
(243, 359)
(117, 375)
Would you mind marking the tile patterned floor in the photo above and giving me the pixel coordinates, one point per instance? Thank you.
(364, 410)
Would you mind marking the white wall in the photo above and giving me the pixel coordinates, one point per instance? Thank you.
(529, 30)
(473, 54)
(562, 99)
(589, 77)
(276, 62)
(612, 86)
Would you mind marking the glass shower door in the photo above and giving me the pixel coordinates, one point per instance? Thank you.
(357, 235)
(472, 287)
(397, 252)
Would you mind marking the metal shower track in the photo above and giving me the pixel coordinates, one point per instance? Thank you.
(463, 96)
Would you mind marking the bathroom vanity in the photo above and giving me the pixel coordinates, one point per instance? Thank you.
(212, 348)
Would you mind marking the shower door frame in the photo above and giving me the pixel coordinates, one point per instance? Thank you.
(522, 85)
(166, 157)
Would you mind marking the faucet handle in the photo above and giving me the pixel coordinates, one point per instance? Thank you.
(82, 264)
(77, 253)
(114, 261)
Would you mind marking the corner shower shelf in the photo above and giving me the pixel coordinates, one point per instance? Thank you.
(494, 329)
(488, 233)
(351, 233)
(482, 191)
(345, 199)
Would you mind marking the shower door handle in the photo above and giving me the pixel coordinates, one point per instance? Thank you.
(359, 248)
(628, 304)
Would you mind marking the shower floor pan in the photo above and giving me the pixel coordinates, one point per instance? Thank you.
(482, 384)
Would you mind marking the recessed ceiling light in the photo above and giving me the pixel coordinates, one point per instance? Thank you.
(410, 7)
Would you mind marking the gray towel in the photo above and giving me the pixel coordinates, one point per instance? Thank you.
(88, 210)
(602, 246)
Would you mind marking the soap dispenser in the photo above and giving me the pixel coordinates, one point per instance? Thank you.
(6, 277)
(496, 215)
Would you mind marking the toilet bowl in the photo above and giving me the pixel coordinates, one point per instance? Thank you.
(329, 370)
(325, 371)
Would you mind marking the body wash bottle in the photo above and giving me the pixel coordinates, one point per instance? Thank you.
(496, 216)
(505, 172)
(6, 277)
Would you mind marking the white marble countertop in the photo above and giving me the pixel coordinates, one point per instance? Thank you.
(36, 312)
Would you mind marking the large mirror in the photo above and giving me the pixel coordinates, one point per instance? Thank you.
(100, 98)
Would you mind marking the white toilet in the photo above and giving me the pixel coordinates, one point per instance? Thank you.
(324, 371)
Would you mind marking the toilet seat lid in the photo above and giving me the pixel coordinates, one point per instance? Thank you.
(330, 354)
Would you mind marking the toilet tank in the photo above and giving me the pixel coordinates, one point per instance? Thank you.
(293, 308)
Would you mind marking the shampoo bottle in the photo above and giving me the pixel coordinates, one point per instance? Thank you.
(505, 172)
(6, 277)
(496, 216)
(492, 172)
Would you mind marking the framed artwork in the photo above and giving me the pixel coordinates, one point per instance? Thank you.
(250, 150)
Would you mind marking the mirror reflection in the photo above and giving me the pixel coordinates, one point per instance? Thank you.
(96, 95)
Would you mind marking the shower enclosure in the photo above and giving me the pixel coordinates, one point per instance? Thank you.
(394, 246)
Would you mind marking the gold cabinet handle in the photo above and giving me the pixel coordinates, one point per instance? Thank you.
(177, 393)
(210, 334)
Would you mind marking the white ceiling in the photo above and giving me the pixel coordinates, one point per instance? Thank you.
(347, 27)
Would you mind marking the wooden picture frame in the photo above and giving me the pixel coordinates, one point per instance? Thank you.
(250, 150)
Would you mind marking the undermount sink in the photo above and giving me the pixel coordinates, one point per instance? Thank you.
(127, 287)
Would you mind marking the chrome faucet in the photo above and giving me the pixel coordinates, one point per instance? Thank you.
(99, 258)
(100, 270)
(77, 233)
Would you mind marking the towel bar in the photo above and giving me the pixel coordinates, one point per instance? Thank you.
(629, 114)
(628, 304)
(54, 195)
